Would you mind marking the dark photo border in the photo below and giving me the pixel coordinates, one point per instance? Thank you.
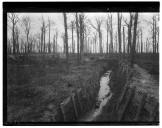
(66, 7)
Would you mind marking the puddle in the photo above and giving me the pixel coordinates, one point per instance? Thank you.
(104, 96)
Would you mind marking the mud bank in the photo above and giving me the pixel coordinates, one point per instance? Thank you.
(117, 102)
(131, 101)
(84, 98)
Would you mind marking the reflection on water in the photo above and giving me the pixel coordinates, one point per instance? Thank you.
(104, 87)
(103, 97)
(104, 93)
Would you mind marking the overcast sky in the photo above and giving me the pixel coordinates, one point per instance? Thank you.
(57, 19)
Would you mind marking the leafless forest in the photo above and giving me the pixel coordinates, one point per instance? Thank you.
(51, 55)
(121, 35)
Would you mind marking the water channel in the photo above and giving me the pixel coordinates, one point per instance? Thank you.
(104, 96)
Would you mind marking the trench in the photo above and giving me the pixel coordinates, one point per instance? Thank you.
(104, 95)
(114, 96)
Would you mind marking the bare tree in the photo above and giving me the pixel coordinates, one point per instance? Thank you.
(147, 42)
(37, 42)
(155, 33)
(41, 44)
(14, 19)
(154, 29)
(95, 42)
(111, 33)
(138, 43)
(107, 30)
(64, 45)
(119, 30)
(123, 40)
(85, 38)
(129, 25)
(50, 23)
(141, 42)
(49, 43)
(56, 39)
(31, 44)
(26, 21)
(116, 42)
(17, 33)
(22, 46)
(66, 37)
(54, 43)
(129, 33)
(157, 50)
(86, 35)
(134, 39)
(97, 27)
(77, 32)
(81, 22)
(43, 35)
(9, 46)
(72, 34)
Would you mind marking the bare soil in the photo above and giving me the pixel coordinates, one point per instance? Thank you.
(37, 85)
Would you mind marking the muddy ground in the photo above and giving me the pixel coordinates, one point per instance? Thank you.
(145, 77)
(33, 83)
(37, 85)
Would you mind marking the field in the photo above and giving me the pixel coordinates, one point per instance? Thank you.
(36, 85)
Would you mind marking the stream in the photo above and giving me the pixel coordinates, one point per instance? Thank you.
(104, 96)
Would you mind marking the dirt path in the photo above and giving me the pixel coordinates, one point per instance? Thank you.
(145, 82)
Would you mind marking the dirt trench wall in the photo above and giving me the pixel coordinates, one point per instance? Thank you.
(82, 100)
(133, 104)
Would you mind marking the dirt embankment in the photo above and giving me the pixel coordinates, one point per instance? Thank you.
(37, 85)
(135, 99)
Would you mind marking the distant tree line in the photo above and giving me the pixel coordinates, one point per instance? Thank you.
(86, 36)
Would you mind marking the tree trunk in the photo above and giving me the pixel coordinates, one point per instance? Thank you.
(153, 36)
(138, 44)
(13, 37)
(107, 42)
(44, 33)
(49, 45)
(100, 40)
(129, 33)
(77, 32)
(123, 40)
(81, 36)
(119, 32)
(72, 25)
(158, 42)
(111, 35)
(141, 43)
(41, 39)
(134, 40)
(56, 39)
(27, 39)
(66, 38)
(54, 44)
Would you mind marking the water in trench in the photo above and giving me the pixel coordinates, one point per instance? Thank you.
(104, 96)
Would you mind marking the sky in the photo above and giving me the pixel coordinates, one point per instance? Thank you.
(58, 24)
